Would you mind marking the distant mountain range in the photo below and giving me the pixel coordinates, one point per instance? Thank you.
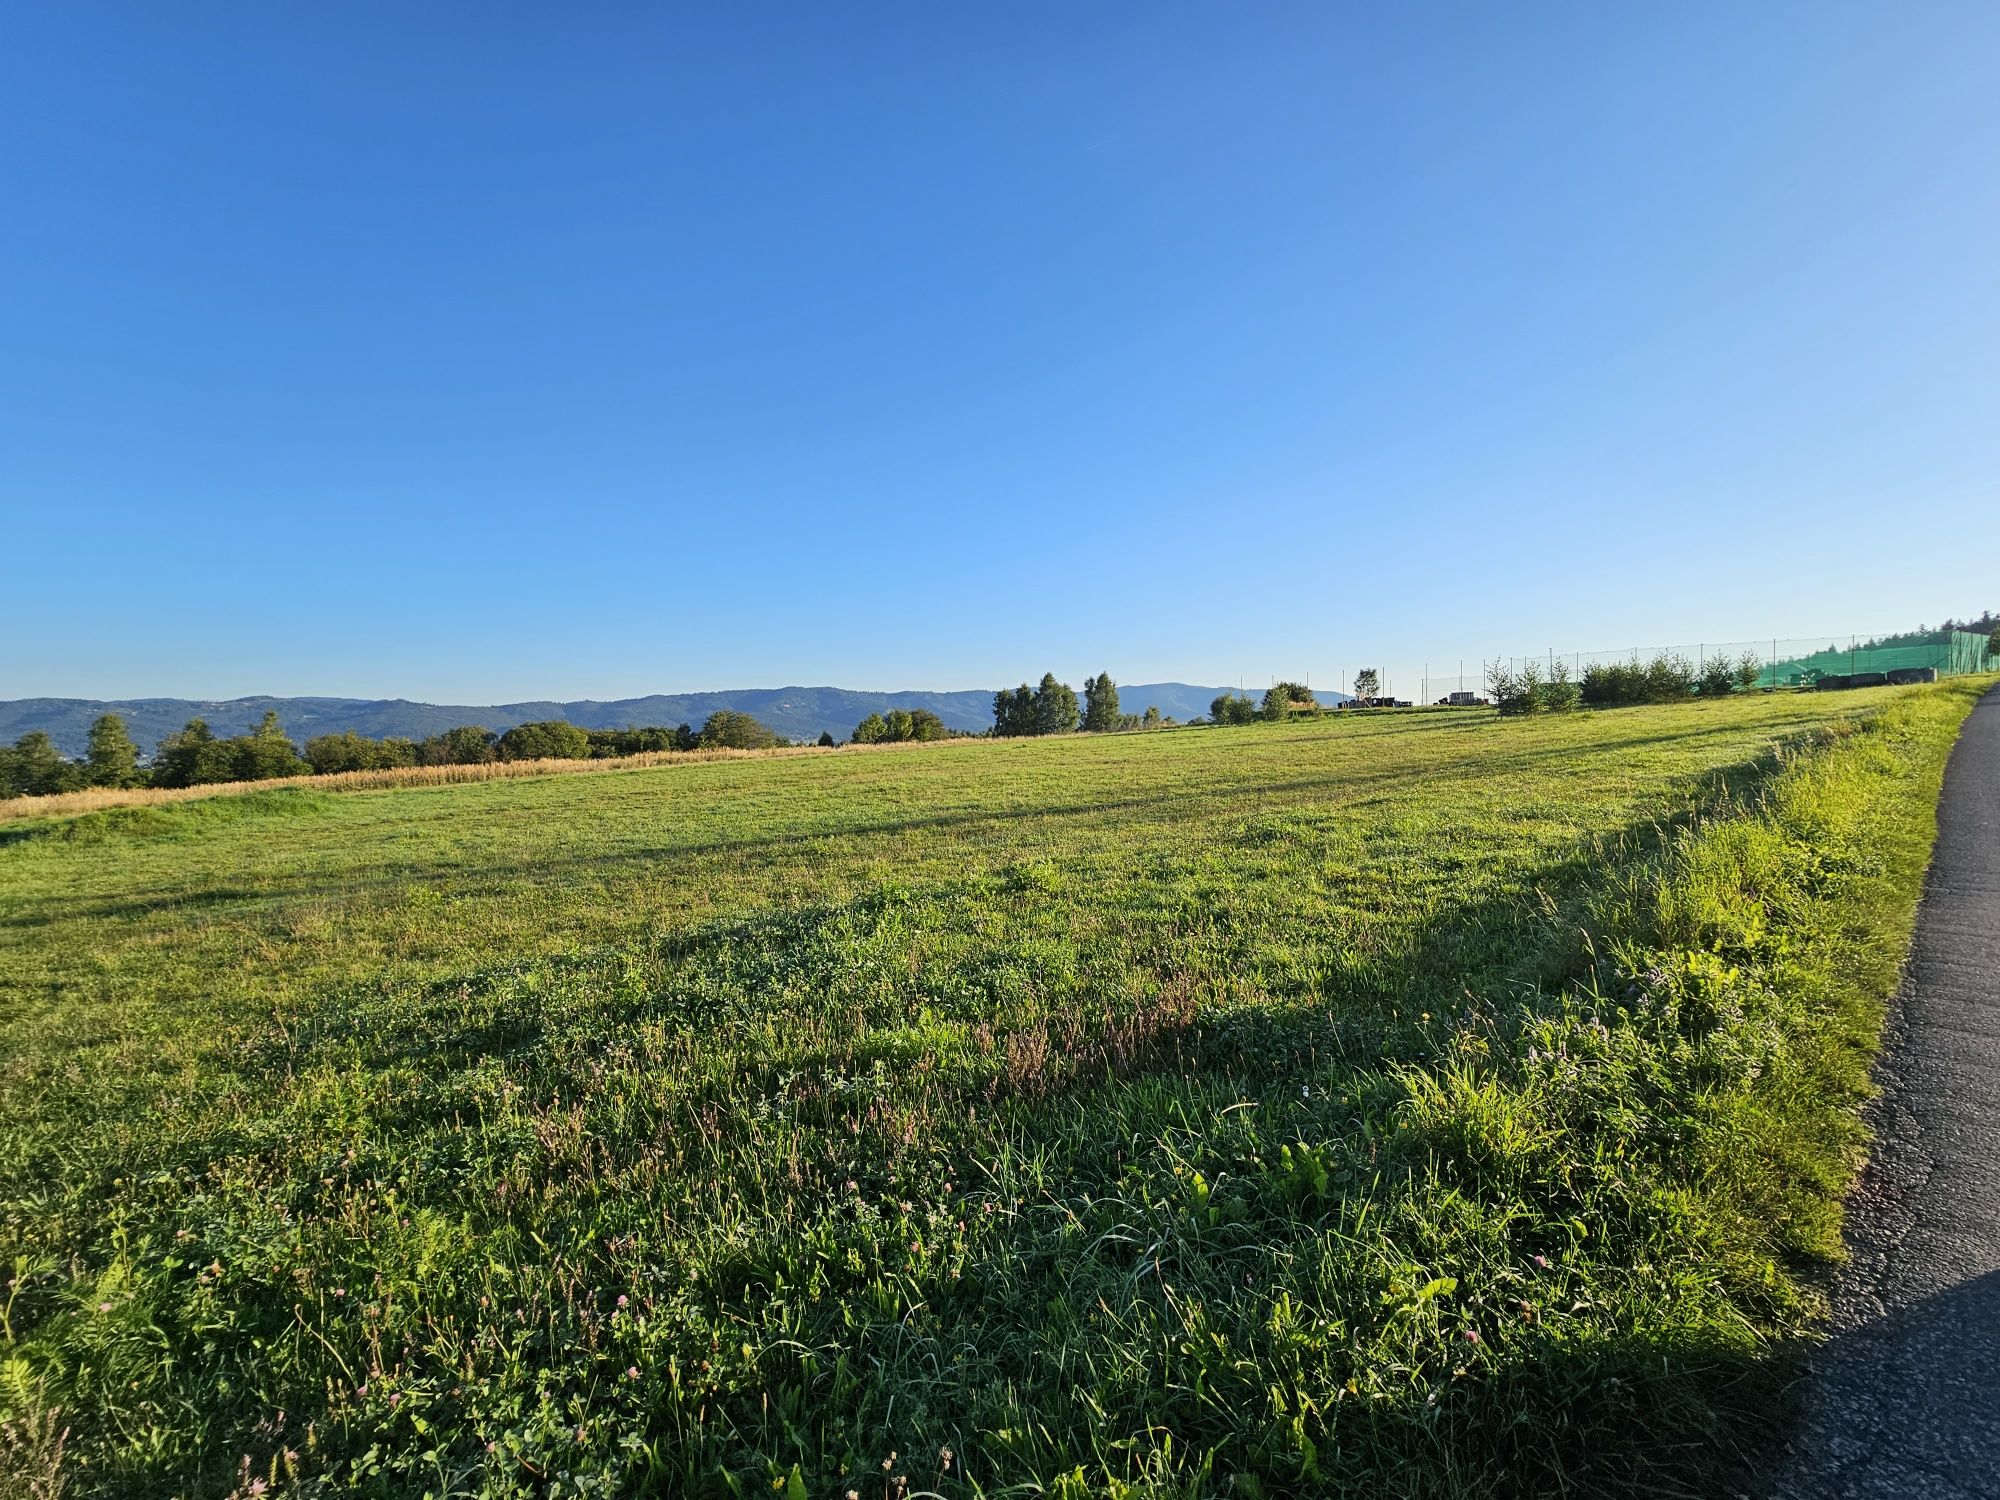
(800, 713)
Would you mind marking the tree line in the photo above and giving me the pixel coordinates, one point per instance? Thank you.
(1052, 707)
(195, 755)
(1668, 678)
(1281, 700)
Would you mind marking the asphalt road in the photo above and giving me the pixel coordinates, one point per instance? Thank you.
(1904, 1400)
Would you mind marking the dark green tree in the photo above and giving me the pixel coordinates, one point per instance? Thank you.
(871, 730)
(1054, 707)
(1100, 703)
(265, 753)
(1014, 712)
(1151, 718)
(36, 768)
(113, 760)
(1367, 684)
(728, 729)
(608, 743)
(328, 754)
(545, 739)
(1230, 708)
(193, 757)
(465, 745)
(825, 741)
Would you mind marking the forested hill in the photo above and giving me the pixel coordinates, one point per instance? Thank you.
(795, 712)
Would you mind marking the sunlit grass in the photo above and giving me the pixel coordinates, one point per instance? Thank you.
(1429, 1105)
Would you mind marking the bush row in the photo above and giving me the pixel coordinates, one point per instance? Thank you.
(1668, 678)
(195, 756)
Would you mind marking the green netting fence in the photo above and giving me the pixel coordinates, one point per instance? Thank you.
(1957, 655)
(1800, 661)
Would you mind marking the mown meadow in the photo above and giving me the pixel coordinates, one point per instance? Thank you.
(1421, 1105)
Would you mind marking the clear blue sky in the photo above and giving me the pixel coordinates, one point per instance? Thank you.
(476, 352)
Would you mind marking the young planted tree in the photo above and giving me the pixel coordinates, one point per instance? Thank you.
(1100, 703)
(1559, 693)
(1748, 670)
(1515, 692)
(113, 759)
(1718, 677)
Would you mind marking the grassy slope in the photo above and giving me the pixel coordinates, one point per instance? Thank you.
(1243, 1109)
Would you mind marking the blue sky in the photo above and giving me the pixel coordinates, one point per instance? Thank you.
(483, 352)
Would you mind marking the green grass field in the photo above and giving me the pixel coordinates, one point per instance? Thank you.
(1427, 1104)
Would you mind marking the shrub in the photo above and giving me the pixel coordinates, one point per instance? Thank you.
(1718, 677)
(1748, 670)
(1515, 692)
(545, 739)
(466, 745)
(328, 754)
(1667, 678)
(1609, 684)
(605, 744)
(1231, 708)
(1284, 699)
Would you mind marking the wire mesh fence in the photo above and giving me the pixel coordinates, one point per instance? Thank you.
(1779, 662)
